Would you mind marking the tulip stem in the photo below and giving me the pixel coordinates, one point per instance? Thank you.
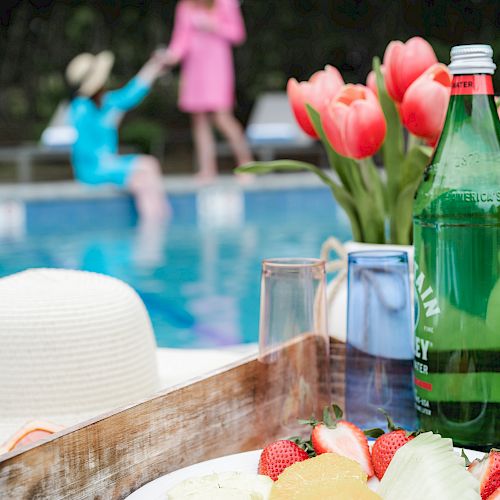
(413, 141)
(363, 167)
(375, 184)
(392, 149)
(374, 198)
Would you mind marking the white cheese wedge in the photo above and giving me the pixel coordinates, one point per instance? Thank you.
(223, 486)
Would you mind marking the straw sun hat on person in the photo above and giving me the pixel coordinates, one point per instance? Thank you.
(88, 73)
(73, 344)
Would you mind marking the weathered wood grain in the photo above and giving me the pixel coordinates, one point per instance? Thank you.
(337, 371)
(236, 409)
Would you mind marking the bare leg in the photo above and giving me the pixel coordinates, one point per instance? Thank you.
(145, 184)
(150, 240)
(205, 146)
(233, 131)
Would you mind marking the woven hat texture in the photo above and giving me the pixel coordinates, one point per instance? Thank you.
(73, 344)
(88, 72)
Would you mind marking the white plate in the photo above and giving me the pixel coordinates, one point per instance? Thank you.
(241, 462)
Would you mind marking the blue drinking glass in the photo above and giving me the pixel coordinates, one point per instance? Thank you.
(379, 350)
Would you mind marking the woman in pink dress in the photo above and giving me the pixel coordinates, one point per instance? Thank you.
(202, 40)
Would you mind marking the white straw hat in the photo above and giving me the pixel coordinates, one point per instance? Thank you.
(73, 344)
(89, 72)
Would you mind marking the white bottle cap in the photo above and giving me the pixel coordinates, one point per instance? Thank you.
(471, 59)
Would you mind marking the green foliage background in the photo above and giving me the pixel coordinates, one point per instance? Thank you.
(285, 38)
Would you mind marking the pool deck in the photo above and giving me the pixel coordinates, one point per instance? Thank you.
(178, 184)
(180, 365)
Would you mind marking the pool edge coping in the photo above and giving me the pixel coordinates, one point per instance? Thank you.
(175, 185)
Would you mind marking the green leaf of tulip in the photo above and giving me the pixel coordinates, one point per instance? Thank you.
(343, 197)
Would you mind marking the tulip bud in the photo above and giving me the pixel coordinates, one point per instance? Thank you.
(404, 63)
(354, 122)
(316, 92)
(424, 106)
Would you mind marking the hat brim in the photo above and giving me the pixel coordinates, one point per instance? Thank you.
(99, 74)
(11, 426)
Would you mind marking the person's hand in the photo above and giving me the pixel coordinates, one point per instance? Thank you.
(158, 56)
(155, 65)
(166, 58)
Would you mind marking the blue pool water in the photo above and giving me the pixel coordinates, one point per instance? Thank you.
(200, 275)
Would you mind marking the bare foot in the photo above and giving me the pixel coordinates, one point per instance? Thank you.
(204, 179)
(245, 179)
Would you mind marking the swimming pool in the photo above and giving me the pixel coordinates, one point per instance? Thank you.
(199, 276)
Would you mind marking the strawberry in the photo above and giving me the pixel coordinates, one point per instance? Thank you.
(496, 495)
(277, 456)
(344, 438)
(333, 435)
(487, 471)
(386, 445)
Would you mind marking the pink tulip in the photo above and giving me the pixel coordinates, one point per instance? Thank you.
(424, 106)
(320, 88)
(354, 122)
(404, 63)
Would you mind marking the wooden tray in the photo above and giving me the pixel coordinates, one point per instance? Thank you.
(235, 409)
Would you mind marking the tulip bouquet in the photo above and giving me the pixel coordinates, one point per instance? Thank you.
(394, 120)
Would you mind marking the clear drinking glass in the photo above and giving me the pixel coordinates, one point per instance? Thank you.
(379, 350)
(293, 336)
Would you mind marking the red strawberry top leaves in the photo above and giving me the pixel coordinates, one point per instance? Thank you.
(385, 448)
(487, 471)
(305, 444)
(277, 456)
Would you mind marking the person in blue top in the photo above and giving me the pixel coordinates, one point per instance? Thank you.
(96, 113)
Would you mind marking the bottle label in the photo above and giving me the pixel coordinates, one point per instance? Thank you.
(472, 84)
(427, 312)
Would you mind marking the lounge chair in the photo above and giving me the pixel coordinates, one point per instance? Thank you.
(272, 131)
(55, 145)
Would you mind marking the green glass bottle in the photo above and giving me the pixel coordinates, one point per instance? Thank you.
(457, 263)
